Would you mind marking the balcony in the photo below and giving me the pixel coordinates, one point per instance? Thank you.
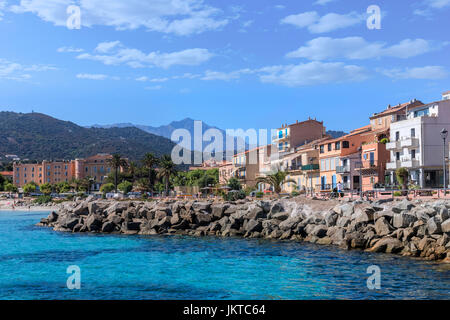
(278, 138)
(394, 145)
(310, 167)
(409, 142)
(407, 162)
(343, 169)
(393, 165)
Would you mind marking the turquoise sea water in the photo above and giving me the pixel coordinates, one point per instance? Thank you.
(34, 260)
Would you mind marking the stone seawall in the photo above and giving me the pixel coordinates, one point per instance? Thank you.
(410, 228)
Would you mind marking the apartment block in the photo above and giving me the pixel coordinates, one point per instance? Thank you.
(247, 165)
(416, 144)
(294, 135)
(53, 172)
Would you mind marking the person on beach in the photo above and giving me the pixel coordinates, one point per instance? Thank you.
(339, 189)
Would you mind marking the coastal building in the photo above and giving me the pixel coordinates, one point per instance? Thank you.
(225, 172)
(246, 165)
(416, 144)
(289, 137)
(207, 165)
(330, 153)
(7, 174)
(53, 172)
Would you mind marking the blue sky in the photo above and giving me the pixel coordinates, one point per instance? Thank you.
(233, 64)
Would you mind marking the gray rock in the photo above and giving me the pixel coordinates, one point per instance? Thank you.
(202, 219)
(201, 206)
(402, 206)
(288, 224)
(253, 226)
(330, 218)
(256, 212)
(93, 222)
(389, 245)
(434, 225)
(280, 216)
(108, 226)
(404, 220)
(277, 207)
(319, 231)
(445, 226)
(443, 214)
(382, 227)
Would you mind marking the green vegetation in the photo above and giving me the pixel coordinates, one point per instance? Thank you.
(234, 184)
(43, 199)
(107, 188)
(9, 187)
(259, 194)
(117, 162)
(29, 188)
(276, 180)
(295, 193)
(38, 136)
(402, 177)
(199, 178)
(384, 140)
(125, 187)
(234, 195)
(166, 171)
(46, 188)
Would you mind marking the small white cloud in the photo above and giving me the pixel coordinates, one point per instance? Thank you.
(16, 71)
(90, 76)
(428, 73)
(428, 7)
(117, 54)
(327, 23)
(358, 48)
(323, 2)
(105, 47)
(312, 73)
(185, 90)
(69, 49)
(279, 7)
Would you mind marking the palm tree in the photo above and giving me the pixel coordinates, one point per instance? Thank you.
(117, 162)
(149, 162)
(166, 170)
(276, 180)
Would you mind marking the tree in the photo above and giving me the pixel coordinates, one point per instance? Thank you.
(149, 162)
(166, 171)
(29, 187)
(276, 180)
(402, 177)
(125, 187)
(62, 187)
(234, 184)
(107, 188)
(117, 162)
(10, 187)
(46, 188)
(2, 182)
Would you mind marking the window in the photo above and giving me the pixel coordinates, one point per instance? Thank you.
(372, 158)
(397, 136)
(345, 144)
(322, 165)
(397, 156)
(329, 147)
(413, 132)
(322, 149)
(337, 146)
(413, 154)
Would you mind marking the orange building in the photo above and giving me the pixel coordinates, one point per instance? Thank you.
(289, 137)
(330, 153)
(53, 172)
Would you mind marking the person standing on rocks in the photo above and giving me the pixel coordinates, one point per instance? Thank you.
(339, 190)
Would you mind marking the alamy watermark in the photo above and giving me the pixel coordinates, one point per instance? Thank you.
(74, 280)
(374, 280)
(74, 19)
(374, 20)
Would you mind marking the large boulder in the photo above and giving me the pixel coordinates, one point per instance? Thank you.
(319, 231)
(218, 210)
(108, 226)
(81, 209)
(402, 206)
(253, 226)
(68, 221)
(445, 226)
(382, 227)
(202, 219)
(201, 206)
(389, 245)
(330, 218)
(288, 224)
(280, 216)
(434, 225)
(256, 212)
(94, 222)
(404, 220)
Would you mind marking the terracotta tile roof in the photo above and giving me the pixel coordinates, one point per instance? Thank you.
(6, 173)
(396, 108)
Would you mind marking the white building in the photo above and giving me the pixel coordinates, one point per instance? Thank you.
(416, 143)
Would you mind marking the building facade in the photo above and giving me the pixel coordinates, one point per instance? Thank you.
(53, 172)
(416, 145)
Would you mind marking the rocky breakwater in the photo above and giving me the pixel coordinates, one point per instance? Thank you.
(410, 228)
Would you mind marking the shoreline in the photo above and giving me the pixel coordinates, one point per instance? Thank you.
(409, 228)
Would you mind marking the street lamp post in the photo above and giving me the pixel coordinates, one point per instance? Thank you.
(444, 134)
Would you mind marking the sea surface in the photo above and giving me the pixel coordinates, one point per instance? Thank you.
(34, 262)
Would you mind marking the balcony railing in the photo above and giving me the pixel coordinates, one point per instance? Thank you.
(411, 142)
(277, 137)
(342, 169)
(393, 165)
(394, 145)
(310, 167)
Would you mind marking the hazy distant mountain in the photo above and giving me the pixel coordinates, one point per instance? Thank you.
(336, 134)
(37, 136)
(167, 130)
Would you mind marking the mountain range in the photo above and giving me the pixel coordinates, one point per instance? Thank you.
(37, 136)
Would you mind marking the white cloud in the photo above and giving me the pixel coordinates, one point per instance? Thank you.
(329, 22)
(428, 72)
(16, 71)
(429, 6)
(279, 7)
(105, 47)
(69, 49)
(438, 4)
(118, 54)
(225, 76)
(358, 48)
(90, 76)
(2, 7)
(323, 2)
(167, 16)
(312, 73)
(147, 79)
